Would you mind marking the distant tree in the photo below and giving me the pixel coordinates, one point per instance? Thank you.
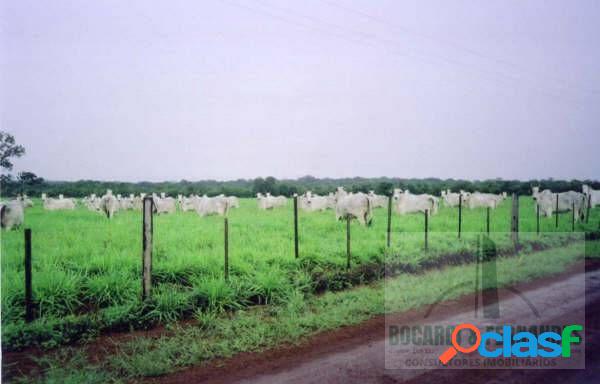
(9, 149)
(384, 188)
(29, 178)
(258, 186)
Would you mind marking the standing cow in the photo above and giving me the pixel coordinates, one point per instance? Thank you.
(109, 204)
(452, 199)
(482, 200)
(12, 214)
(355, 205)
(269, 202)
(592, 195)
(377, 201)
(547, 201)
(406, 202)
(206, 206)
(163, 204)
(51, 204)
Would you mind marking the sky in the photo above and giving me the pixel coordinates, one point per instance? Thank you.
(228, 89)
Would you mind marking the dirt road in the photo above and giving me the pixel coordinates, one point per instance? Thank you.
(358, 354)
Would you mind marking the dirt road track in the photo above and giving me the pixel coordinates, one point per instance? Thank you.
(356, 354)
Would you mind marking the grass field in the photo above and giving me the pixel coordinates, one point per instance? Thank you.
(86, 269)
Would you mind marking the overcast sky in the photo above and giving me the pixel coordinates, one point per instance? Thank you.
(226, 89)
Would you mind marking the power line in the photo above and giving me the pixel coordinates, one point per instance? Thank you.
(325, 26)
(450, 43)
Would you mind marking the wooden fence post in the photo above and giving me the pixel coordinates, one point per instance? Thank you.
(389, 221)
(487, 219)
(348, 241)
(556, 211)
(296, 252)
(426, 229)
(573, 218)
(589, 205)
(226, 246)
(459, 213)
(28, 283)
(537, 218)
(147, 229)
(514, 227)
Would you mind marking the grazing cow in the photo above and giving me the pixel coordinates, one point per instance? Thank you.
(234, 202)
(356, 205)
(92, 202)
(339, 193)
(187, 203)
(138, 202)
(109, 204)
(51, 204)
(206, 206)
(126, 203)
(312, 203)
(485, 200)
(593, 195)
(408, 203)
(452, 199)
(546, 200)
(270, 202)
(12, 214)
(163, 204)
(377, 201)
(27, 203)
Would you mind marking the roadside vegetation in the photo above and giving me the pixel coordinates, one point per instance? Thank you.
(220, 334)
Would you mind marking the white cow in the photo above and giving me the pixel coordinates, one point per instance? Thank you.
(312, 203)
(339, 193)
(406, 202)
(356, 205)
(109, 204)
(12, 214)
(27, 203)
(92, 202)
(51, 204)
(593, 195)
(126, 203)
(452, 199)
(482, 200)
(547, 201)
(206, 206)
(377, 201)
(163, 204)
(270, 202)
(187, 203)
(232, 200)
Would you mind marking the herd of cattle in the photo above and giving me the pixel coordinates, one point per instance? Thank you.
(345, 204)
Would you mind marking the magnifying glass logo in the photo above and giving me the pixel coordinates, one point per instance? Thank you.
(451, 352)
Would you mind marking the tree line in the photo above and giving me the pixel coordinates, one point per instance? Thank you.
(34, 186)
